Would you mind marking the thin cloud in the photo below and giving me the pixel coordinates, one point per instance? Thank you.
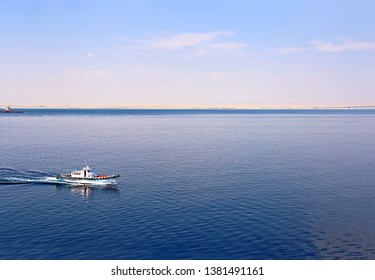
(323, 46)
(228, 46)
(215, 48)
(343, 46)
(186, 40)
(290, 50)
(197, 44)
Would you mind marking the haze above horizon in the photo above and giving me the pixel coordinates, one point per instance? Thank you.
(176, 54)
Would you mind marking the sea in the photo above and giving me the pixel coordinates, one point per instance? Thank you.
(195, 184)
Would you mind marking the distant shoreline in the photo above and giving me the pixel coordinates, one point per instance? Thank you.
(197, 108)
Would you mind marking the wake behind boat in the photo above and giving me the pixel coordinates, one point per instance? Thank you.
(87, 176)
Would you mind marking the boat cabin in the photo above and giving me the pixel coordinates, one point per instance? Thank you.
(86, 172)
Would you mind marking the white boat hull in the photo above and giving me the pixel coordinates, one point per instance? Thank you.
(87, 177)
(85, 181)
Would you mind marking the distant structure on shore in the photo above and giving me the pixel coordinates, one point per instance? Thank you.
(10, 110)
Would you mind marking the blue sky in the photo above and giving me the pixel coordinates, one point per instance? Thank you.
(187, 53)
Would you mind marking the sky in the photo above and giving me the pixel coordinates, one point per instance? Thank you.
(184, 54)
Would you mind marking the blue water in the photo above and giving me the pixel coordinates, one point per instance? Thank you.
(195, 184)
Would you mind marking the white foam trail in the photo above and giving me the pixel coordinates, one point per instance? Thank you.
(51, 180)
(21, 180)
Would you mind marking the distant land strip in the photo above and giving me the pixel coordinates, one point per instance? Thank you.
(366, 107)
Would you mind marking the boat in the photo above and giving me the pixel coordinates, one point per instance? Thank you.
(87, 176)
(10, 110)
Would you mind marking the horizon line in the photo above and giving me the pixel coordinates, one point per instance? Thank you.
(193, 107)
